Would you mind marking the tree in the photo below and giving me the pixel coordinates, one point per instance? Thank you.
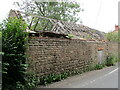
(67, 11)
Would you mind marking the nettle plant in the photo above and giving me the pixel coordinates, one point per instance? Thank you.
(14, 64)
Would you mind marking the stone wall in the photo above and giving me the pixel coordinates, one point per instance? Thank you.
(55, 55)
(113, 47)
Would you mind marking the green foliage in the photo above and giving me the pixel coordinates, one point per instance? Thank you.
(43, 24)
(90, 67)
(70, 36)
(113, 36)
(66, 11)
(57, 10)
(98, 66)
(13, 55)
(57, 77)
(0, 34)
(13, 40)
(52, 78)
(45, 80)
(111, 59)
(31, 81)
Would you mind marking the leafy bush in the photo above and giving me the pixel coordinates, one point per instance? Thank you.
(98, 66)
(31, 81)
(14, 58)
(113, 36)
(111, 59)
(91, 67)
(52, 78)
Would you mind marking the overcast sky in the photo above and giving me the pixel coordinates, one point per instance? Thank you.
(98, 14)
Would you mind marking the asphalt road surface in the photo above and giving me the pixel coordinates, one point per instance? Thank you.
(104, 78)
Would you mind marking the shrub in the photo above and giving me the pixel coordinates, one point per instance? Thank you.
(98, 66)
(31, 81)
(91, 67)
(113, 36)
(14, 58)
(52, 78)
(111, 60)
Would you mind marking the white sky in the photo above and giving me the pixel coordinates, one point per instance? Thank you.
(98, 14)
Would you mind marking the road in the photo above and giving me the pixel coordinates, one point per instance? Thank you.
(104, 78)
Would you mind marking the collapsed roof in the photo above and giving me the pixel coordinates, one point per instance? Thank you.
(61, 27)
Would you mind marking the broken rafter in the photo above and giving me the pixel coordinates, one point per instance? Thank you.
(31, 23)
(63, 27)
(36, 23)
(46, 25)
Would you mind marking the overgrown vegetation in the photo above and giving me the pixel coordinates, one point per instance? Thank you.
(14, 76)
(70, 36)
(14, 64)
(58, 77)
(113, 36)
(111, 60)
(52, 78)
(98, 66)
